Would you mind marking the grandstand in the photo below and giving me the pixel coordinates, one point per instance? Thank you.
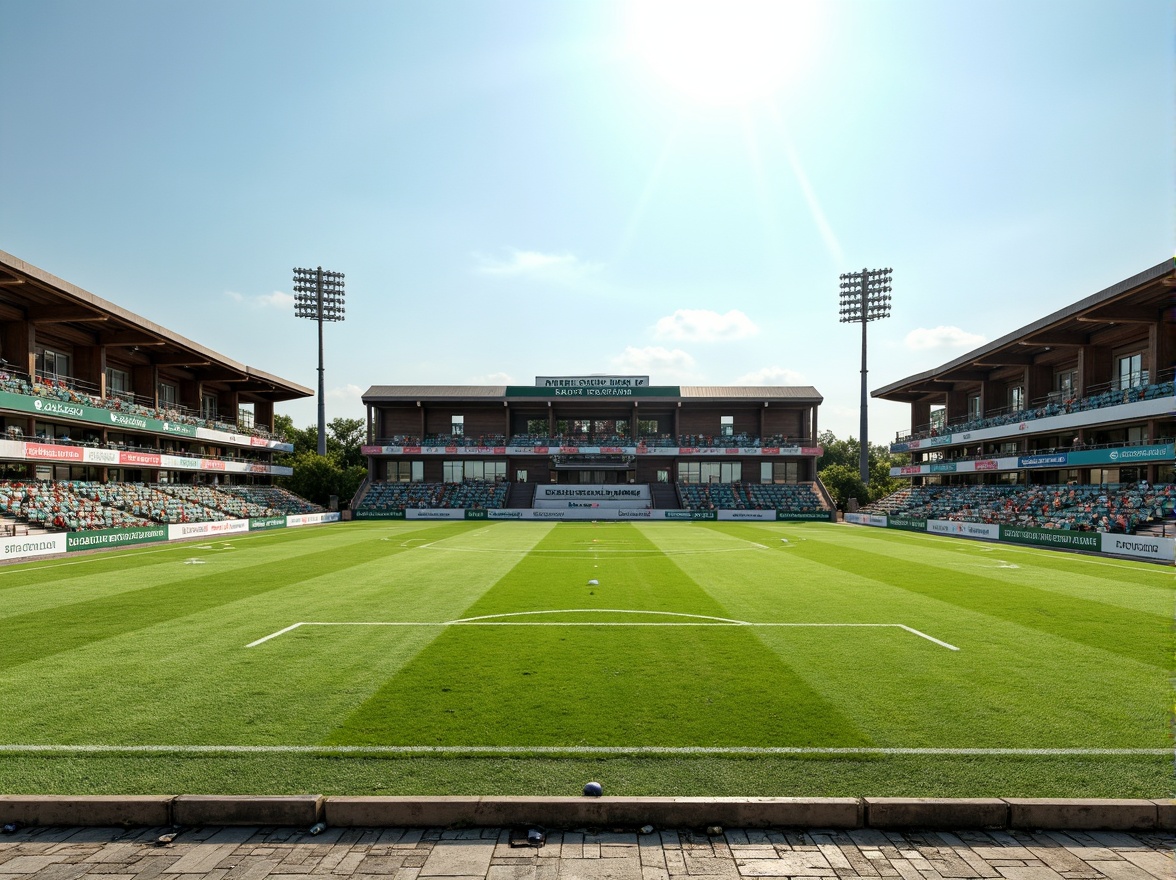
(679, 448)
(110, 421)
(1066, 423)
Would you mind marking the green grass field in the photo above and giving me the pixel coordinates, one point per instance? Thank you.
(478, 658)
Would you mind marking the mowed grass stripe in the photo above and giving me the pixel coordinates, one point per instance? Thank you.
(115, 564)
(51, 631)
(1102, 579)
(905, 691)
(1134, 634)
(191, 680)
(553, 686)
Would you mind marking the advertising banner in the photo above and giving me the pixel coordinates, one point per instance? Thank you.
(1139, 546)
(377, 514)
(40, 545)
(1055, 459)
(986, 531)
(910, 524)
(262, 523)
(313, 519)
(52, 452)
(806, 516)
(195, 530)
(691, 514)
(1052, 538)
(759, 515)
(435, 513)
(604, 390)
(1123, 454)
(866, 519)
(114, 537)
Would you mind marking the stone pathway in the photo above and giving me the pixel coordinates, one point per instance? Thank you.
(230, 853)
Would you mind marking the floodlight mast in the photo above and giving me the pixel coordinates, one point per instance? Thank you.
(865, 297)
(319, 295)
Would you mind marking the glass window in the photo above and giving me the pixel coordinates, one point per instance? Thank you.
(974, 406)
(167, 394)
(457, 426)
(52, 364)
(451, 471)
(208, 407)
(117, 382)
(1017, 397)
(726, 426)
(1131, 373)
(1066, 383)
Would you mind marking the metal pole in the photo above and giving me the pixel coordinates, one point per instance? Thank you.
(864, 455)
(322, 403)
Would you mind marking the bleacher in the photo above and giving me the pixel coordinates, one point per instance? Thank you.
(74, 391)
(470, 494)
(1113, 507)
(80, 505)
(1111, 395)
(793, 497)
(282, 501)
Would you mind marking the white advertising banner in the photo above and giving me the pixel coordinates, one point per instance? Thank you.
(311, 519)
(986, 531)
(1139, 546)
(37, 545)
(437, 513)
(195, 530)
(761, 515)
(866, 519)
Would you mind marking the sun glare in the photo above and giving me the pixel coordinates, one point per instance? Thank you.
(723, 51)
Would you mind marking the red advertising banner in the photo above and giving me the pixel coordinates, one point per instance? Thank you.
(149, 459)
(210, 464)
(51, 452)
(986, 465)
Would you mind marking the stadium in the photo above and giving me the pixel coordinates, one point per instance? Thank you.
(670, 601)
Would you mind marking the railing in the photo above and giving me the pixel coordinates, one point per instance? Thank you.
(87, 393)
(1051, 404)
(532, 440)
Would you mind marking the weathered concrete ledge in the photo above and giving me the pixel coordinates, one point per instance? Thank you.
(565, 812)
(137, 810)
(210, 809)
(574, 812)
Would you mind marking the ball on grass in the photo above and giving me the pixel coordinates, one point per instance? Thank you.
(593, 789)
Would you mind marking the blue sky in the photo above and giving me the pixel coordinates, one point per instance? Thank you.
(527, 188)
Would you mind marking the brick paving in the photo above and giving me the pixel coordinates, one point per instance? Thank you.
(231, 853)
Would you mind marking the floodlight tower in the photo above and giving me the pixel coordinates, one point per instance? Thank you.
(319, 295)
(865, 297)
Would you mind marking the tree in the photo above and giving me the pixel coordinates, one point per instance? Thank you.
(840, 459)
(339, 472)
(844, 482)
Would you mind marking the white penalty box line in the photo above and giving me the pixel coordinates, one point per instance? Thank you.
(696, 620)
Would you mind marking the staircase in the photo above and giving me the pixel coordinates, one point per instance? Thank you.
(664, 496)
(521, 495)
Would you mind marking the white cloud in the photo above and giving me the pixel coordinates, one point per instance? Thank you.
(535, 264)
(654, 360)
(703, 325)
(772, 376)
(276, 300)
(345, 393)
(492, 379)
(924, 338)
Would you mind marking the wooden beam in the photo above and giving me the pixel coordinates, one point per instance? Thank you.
(129, 337)
(1123, 316)
(63, 315)
(1057, 338)
(179, 360)
(1002, 359)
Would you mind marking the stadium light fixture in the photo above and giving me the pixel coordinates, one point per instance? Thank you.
(865, 297)
(318, 295)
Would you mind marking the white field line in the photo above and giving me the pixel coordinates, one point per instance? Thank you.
(697, 620)
(565, 750)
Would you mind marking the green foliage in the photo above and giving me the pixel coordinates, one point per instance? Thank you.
(839, 469)
(316, 477)
(139, 647)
